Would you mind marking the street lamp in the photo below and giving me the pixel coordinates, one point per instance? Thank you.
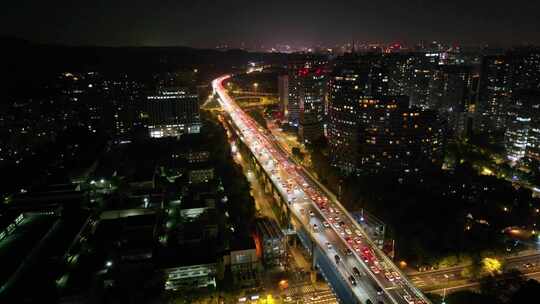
(444, 290)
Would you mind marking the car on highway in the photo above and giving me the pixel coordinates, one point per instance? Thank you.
(375, 269)
(328, 245)
(396, 275)
(408, 299)
(356, 271)
(288, 299)
(325, 224)
(337, 258)
(352, 280)
(365, 258)
(348, 231)
(357, 232)
(311, 213)
(315, 227)
(377, 288)
(389, 276)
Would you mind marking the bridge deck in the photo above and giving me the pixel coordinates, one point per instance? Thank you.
(362, 265)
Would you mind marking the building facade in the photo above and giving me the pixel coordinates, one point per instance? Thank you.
(494, 94)
(272, 241)
(452, 92)
(173, 112)
(283, 94)
(522, 136)
(311, 93)
(348, 82)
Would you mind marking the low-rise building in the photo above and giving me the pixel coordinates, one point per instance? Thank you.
(272, 241)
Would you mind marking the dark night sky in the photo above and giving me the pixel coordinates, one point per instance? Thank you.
(205, 23)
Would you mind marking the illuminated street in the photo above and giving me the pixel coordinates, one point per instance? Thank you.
(355, 257)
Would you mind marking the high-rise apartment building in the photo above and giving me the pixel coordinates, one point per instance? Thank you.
(347, 83)
(399, 67)
(396, 138)
(494, 94)
(525, 64)
(378, 78)
(378, 121)
(522, 136)
(371, 131)
(311, 93)
(283, 93)
(419, 78)
(453, 92)
(383, 134)
(294, 86)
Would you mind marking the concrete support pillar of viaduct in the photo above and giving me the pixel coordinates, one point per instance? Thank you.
(313, 270)
(289, 221)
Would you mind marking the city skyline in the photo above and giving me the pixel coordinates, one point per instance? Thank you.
(270, 152)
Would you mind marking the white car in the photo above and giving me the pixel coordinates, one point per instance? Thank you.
(408, 299)
(328, 245)
(325, 224)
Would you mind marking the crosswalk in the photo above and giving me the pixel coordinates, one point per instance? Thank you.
(419, 282)
(307, 293)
